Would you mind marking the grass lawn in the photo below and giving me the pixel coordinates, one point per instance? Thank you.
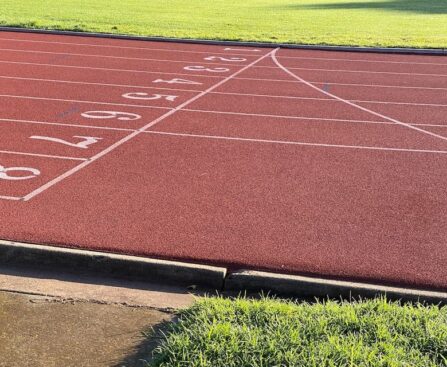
(219, 332)
(415, 23)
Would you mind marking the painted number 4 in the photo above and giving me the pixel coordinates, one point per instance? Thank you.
(84, 144)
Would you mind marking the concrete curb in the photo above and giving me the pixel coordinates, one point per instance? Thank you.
(123, 266)
(292, 285)
(391, 50)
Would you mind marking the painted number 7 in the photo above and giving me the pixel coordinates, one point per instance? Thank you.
(84, 144)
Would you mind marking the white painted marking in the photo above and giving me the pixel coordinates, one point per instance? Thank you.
(204, 68)
(360, 60)
(42, 155)
(305, 118)
(333, 83)
(69, 54)
(106, 69)
(62, 125)
(273, 55)
(137, 132)
(330, 99)
(100, 84)
(229, 59)
(13, 198)
(359, 71)
(149, 97)
(124, 116)
(238, 49)
(177, 81)
(79, 101)
(8, 173)
(123, 47)
(84, 144)
(299, 143)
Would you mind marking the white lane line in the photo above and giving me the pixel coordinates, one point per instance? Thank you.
(210, 76)
(264, 67)
(198, 90)
(61, 124)
(108, 69)
(359, 71)
(81, 101)
(14, 198)
(217, 53)
(330, 99)
(201, 61)
(353, 104)
(42, 155)
(99, 84)
(139, 48)
(349, 84)
(359, 60)
(305, 118)
(286, 142)
(139, 131)
(232, 93)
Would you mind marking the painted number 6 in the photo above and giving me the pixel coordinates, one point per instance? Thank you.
(125, 116)
(29, 173)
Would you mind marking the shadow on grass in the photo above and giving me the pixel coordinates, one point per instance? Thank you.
(143, 353)
(411, 6)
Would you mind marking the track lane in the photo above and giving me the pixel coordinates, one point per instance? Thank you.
(357, 193)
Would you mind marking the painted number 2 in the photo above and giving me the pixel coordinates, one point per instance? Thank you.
(18, 173)
(84, 144)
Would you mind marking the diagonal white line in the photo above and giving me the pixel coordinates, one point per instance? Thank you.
(354, 104)
(288, 142)
(139, 131)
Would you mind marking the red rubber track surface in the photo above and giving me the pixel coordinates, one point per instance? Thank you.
(331, 164)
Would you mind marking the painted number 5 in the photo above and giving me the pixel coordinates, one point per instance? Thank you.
(145, 96)
(18, 173)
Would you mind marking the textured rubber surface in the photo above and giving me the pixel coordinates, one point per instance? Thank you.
(243, 166)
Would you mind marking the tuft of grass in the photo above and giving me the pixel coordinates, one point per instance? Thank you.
(217, 332)
(387, 23)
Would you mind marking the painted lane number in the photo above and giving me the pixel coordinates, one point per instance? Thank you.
(145, 96)
(203, 68)
(18, 173)
(84, 144)
(177, 81)
(124, 116)
(229, 59)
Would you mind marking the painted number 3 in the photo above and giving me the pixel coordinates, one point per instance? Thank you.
(18, 173)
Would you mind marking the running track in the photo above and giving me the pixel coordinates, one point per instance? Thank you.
(308, 162)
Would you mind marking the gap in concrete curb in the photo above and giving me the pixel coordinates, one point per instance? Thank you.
(122, 266)
(390, 50)
(300, 286)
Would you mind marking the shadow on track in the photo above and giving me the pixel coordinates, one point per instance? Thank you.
(412, 6)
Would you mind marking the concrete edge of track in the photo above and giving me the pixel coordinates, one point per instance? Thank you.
(391, 50)
(114, 265)
(202, 276)
(295, 285)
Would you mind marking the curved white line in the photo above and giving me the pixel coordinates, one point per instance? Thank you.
(275, 60)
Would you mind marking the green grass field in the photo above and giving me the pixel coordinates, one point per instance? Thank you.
(395, 23)
(219, 332)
